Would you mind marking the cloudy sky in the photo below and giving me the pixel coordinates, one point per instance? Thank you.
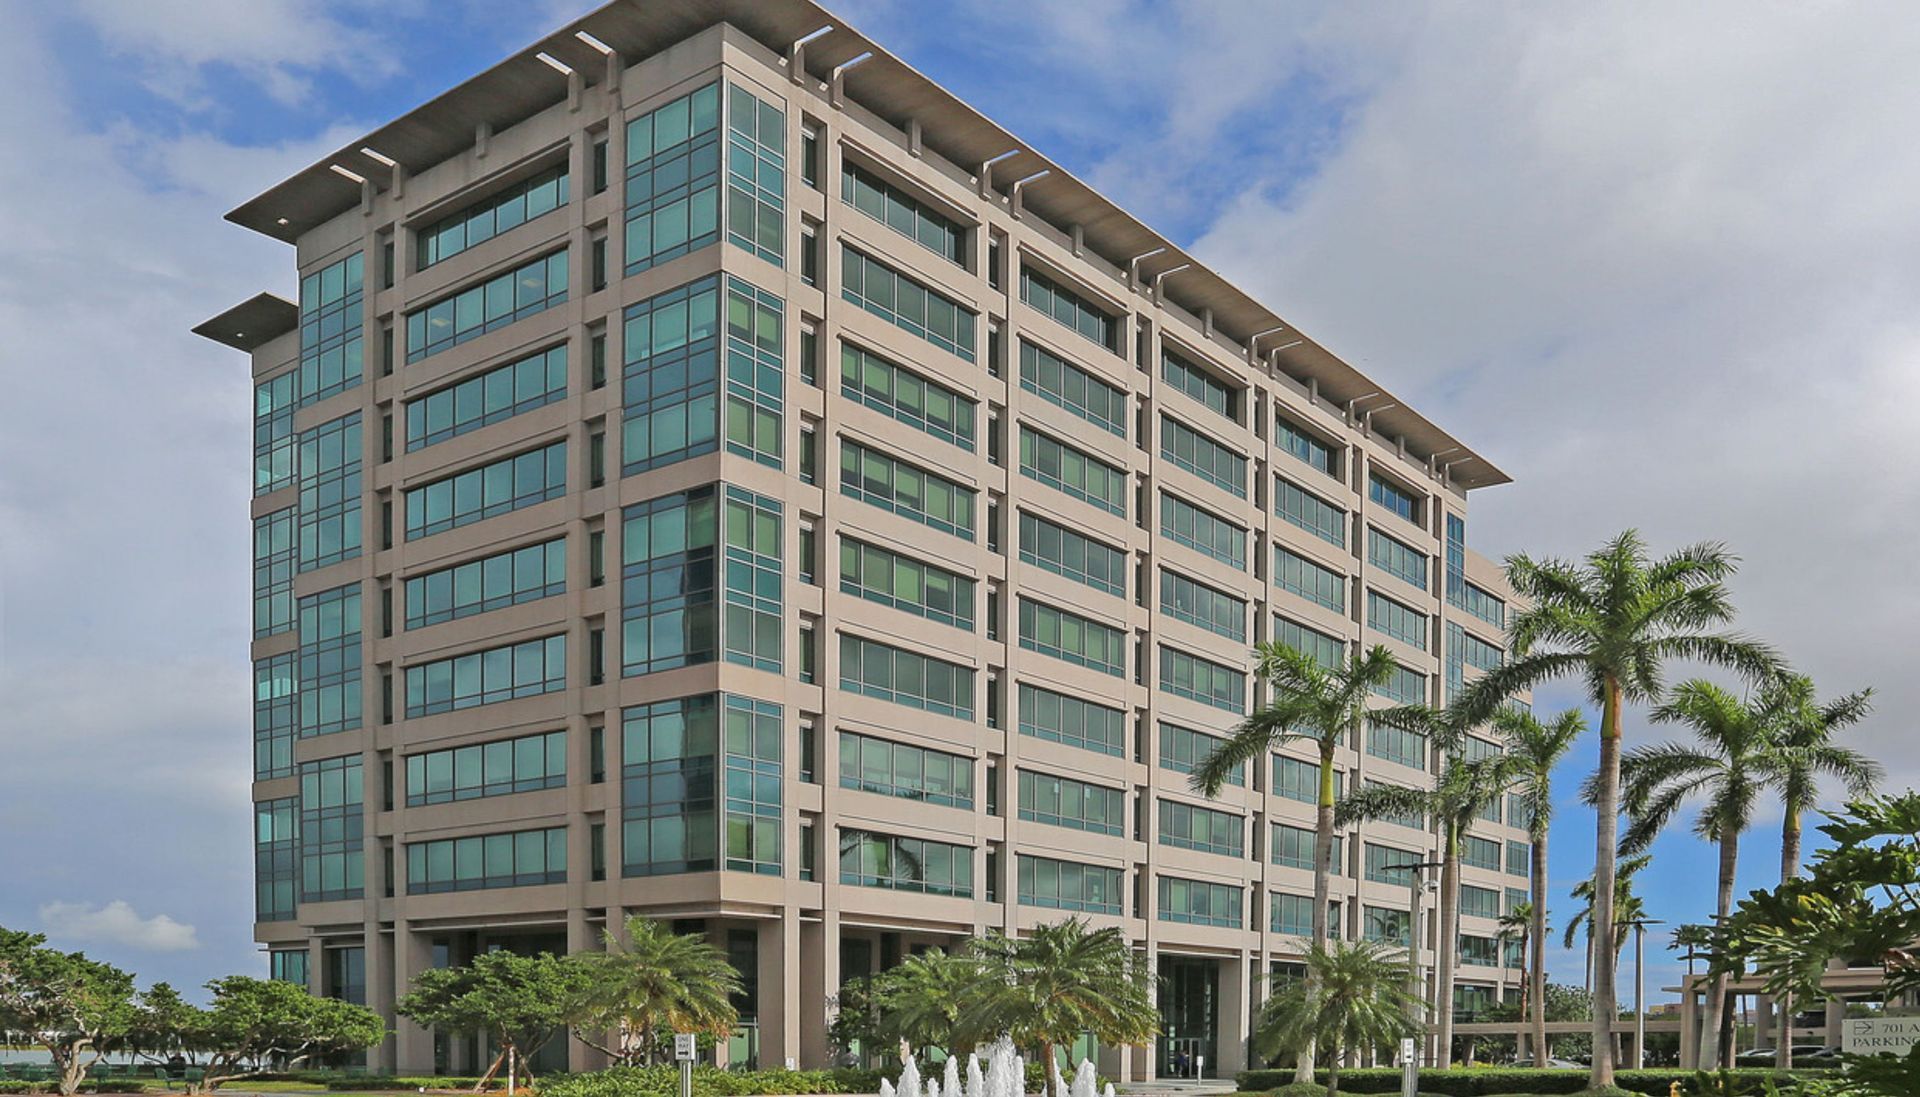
(1658, 261)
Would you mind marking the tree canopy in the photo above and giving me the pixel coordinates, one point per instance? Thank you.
(520, 1001)
(1858, 901)
(1355, 996)
(73, 1006)
(654, 983)
(1059, 981)
(252, 1023)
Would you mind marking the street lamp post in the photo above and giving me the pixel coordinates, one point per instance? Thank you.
(1412, 869)
(1640, 989)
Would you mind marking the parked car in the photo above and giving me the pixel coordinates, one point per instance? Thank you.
(1818, 1057)
(1525, 1062)
(1803, 1054)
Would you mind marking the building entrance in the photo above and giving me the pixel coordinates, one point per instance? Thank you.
(1189, 1018)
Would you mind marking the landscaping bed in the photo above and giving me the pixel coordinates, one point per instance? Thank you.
(1494, 1082)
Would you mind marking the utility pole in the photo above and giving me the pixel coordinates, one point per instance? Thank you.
(1414, 884)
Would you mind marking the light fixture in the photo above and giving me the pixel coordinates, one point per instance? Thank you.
(554, 63)
(377, 157)
(347, 173)
(594, 42)
(281, 221)
(818, 32)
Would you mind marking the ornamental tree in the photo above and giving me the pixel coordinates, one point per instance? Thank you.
(256, 1025)
(70, 1005)
(522, 1002)
(1859, 901)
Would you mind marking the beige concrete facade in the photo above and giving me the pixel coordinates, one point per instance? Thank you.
(805, 933)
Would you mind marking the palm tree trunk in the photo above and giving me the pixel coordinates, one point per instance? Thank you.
(1605, 842)
(1322, 873)
(1447, 943)
(1536, 962)
(1711, 1037)
(1789, 869)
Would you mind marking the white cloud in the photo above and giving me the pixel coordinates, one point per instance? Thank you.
(124, 451)
(277, 43)
(116, 923)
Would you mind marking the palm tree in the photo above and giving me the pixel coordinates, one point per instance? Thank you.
(1613, 621)
(1355, 995)
(657, 981)
(1733, 767)
(1804, 752)
(1307, 702)
(1464, 792)
(1518, 925)
(926, 1000)
(1059, 981)
(1626, 909)
(1535, 749)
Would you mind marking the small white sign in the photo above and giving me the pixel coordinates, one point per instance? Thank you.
(685, 1047)
(1406, 1049)
(1875, 1035)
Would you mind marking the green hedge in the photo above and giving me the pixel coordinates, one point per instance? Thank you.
(362, 1082)
(1493, 1082)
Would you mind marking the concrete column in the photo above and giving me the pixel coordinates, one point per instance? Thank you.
(382, 990)
(413, 1045)
(1231, 1044)
(582, 937)
(1689, 1027)
(816, 981)
(781, 1004)
(1150, 1068)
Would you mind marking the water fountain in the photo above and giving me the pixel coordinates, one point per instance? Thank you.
(1004, 1075)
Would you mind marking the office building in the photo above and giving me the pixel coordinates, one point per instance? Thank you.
(712, 473)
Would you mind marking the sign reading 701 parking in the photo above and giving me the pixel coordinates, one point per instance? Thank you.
(1878, 1035)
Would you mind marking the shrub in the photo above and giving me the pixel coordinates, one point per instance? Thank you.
(1510, 1082)
(663, 1080)
(364, 1082)
(1301, 1089)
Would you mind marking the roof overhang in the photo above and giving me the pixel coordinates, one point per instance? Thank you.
(523, 85)
(252, 323)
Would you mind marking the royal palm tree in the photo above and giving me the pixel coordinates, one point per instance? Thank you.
(1804, 753)
(1059, 981)
(1533, 750)
(1465, 792)
(1354, 996)
(1731, 764)
(1308, 701)
(1613, 621)
(1517, 925)
(1626, 909)
(654, 982)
